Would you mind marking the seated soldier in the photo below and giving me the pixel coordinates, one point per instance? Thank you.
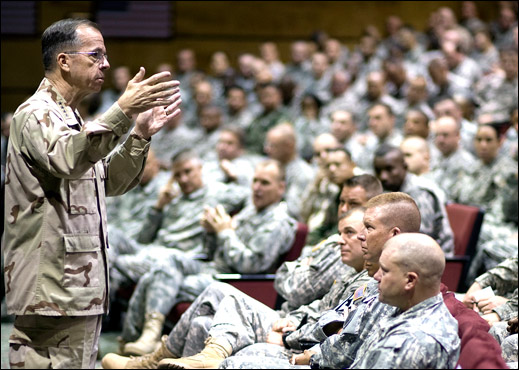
(501, 307)
(190, 332)
(251, 243)
(339, 168)
(174, 221)
(231, 164)
(310, 277)
(280, 144)
(391, 170)
(421, 333)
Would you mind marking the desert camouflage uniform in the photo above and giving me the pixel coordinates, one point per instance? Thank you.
(447, 171)
(423, 337)
(301, 283)
(255, 246)
(55, 237)
(430, 200)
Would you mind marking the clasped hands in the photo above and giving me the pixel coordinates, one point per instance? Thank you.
(215, 220)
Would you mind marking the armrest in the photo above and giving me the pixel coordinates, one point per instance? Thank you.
(245, 276)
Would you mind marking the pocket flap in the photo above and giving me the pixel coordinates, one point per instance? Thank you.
(82, 243)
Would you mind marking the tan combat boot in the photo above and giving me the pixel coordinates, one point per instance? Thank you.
(215, 351)
(150, 337)
(149, 361)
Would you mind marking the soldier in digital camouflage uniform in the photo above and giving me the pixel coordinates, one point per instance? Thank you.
(310, 277)
(390, 168)
(173, 222)
(386, 215)
(59, 169)
(280, 144)
(493, 187)
(451, 162)
(501, 308)
(187, 338)
(126, 213)
(272, 113)
(251, 243)
(421, 333)
(239, 322)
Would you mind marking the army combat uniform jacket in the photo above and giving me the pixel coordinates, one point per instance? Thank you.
(55, 218)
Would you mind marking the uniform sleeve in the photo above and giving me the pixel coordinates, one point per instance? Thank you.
(300, 283)
(508, 310)
(502, 278)
(261, 251)
(53, 147)
(402, 351)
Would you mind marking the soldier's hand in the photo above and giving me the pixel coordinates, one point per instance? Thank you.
(218, 219)
(302, 358)
(204, 220)
(283, 325)
(486, 305)
(166, 194)
(229, 169)
(150, 122)
(491, 318)
(143, 94)
(275, 337)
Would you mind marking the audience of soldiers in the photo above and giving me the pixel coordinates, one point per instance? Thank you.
(426, 118)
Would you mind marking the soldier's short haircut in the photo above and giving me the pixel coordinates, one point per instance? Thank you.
(400, 210)
(341, 149)
(277, 164)
(493, 127)
(371, 185)
(385, 149)
(421, 113)
(61, 36)
(185, 155)
(388, 109)
(351, 211)
(237, 132)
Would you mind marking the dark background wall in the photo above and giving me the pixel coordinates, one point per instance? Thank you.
(207, 26)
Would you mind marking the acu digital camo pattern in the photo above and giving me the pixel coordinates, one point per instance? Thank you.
(55, 218)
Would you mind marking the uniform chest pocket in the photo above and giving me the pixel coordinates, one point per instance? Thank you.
(82, 194)
(81, 262)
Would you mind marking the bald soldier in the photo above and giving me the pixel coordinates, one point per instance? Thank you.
(421, 334)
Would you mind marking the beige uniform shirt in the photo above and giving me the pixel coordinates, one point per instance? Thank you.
(58, 173)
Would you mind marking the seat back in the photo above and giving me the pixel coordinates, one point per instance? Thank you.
(298, 244)
(466, 223)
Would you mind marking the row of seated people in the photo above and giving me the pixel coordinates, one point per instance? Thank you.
(140, 316)
(336, 310)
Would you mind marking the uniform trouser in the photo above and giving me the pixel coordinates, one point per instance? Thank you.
(57, 342)
(174, 277)
(242, 321)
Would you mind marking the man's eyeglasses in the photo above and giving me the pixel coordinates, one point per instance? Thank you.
(97, 55)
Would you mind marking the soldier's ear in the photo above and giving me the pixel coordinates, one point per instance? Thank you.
(412, 280)
(62, 61)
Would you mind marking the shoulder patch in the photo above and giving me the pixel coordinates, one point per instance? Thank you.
(359, 293)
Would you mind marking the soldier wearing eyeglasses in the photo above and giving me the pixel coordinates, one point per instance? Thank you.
(59, 169)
